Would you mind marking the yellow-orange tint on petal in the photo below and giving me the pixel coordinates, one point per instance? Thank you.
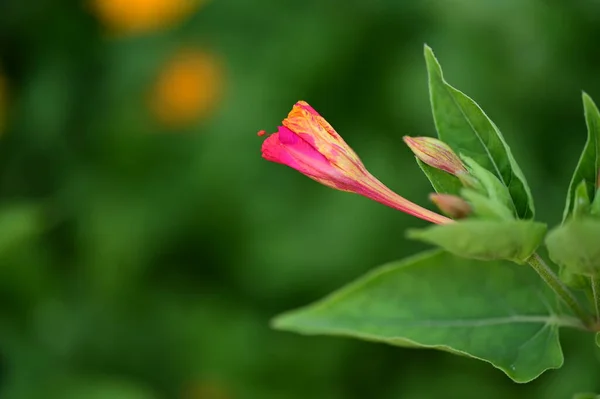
(142, 16)
(187, 89)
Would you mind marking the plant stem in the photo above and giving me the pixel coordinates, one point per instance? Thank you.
(596, 293)
(552, 280)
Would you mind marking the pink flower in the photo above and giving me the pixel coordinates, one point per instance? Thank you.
(307, 143)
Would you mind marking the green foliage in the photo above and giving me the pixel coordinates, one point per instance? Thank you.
(486, 207)
(469, 289)
(575, 245)
(588, 167)
(513, 240)
(467, 129)
(97, 388)
(436, 300)
(586, 396)
(581, 201)
(488, 184)
(572, 279)
(20, 222)
(595, 206)
(441, 181)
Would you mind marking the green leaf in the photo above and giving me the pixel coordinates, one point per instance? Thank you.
(463, 125)
(441, 181)
(490, 184)
(597, 339)
(573, 280)
(496, 311)
(485, 207)
(575, 246)
(581, 203)
(513, 240)
(595, 208)
(586, 395)
(589, 163)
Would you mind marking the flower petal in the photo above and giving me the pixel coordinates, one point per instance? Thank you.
(286, 147)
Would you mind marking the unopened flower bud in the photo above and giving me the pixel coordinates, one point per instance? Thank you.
(308, 143)
(451, 205)
(436, 153)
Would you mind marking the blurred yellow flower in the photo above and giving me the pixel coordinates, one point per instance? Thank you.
(141, 16)
(207, 390)
(187, 89)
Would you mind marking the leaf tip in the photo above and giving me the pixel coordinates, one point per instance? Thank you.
(414, 234)
(430, 59)
(279, 322)
(588, 102)
(291, 320)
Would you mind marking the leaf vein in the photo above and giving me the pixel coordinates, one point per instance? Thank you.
(490, 321)
(479, 138)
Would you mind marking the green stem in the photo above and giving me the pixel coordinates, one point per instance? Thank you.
(596, 293)
(552, 280)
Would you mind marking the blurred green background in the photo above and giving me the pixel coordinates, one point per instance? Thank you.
(144, 243)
